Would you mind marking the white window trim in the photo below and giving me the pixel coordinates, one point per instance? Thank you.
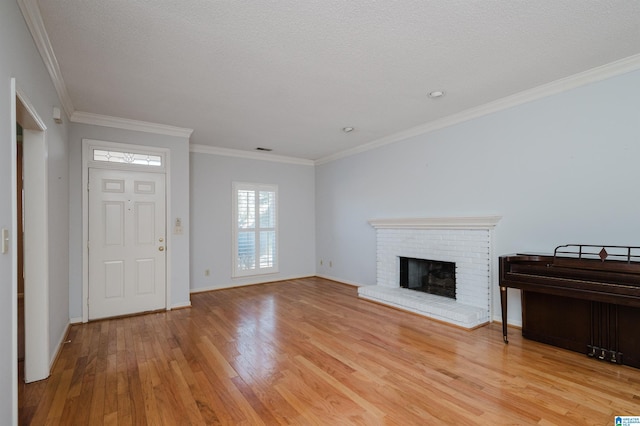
(235, 272)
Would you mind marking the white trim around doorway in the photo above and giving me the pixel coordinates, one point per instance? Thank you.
(88, 145)
(36, 291)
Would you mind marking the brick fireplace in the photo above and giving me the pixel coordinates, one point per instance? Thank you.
(465, 241)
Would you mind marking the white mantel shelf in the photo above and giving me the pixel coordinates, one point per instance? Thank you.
(473, 222)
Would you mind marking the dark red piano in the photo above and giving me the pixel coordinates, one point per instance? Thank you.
(584, 298)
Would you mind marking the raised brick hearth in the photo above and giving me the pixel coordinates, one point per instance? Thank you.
(465, 241)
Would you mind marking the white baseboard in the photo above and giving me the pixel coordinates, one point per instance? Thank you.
(181, 305)
(61, 341)
(243, 284)
(75, 320)
(515, 323)
(341, 280)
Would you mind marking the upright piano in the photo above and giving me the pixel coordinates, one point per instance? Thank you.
(584, 298)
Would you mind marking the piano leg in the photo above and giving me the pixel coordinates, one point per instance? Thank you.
(503, 303)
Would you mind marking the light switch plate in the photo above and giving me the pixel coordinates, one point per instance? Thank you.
(177, 229)
(5, 240)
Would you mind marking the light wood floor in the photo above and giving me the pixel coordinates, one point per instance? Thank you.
(310, 352)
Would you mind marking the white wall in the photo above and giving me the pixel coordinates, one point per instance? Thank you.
(58, 200)
(178, 207)
(211, 217)
(19, 58)
(563, 169)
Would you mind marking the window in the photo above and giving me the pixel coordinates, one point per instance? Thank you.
(127, 157)
(255, 237)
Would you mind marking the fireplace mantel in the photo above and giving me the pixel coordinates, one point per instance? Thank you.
(471, 222)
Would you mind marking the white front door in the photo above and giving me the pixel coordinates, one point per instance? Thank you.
(127, 260)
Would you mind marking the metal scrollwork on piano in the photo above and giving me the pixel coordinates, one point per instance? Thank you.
(584, 298)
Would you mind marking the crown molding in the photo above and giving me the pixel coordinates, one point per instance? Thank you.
(227, 152)
(127, 124)
(35, 24)
(474, 222)
(622, 66)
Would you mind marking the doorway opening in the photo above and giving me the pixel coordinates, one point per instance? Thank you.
(31, 230)
(20, 252)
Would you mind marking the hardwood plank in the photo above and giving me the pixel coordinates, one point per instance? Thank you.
(96, 410)
(308, 351)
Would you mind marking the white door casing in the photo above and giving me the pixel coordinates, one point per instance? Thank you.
(127, 241)
(36, 241)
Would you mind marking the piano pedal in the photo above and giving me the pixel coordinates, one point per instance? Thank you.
(616, 357)
(604, 354)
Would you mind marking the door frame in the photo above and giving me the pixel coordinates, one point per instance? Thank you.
(37, 362)
(88, 145)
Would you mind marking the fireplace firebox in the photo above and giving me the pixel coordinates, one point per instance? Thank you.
(429, 276)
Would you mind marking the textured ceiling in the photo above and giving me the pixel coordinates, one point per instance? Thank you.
(290, 74)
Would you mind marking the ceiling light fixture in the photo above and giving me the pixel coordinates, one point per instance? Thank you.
(436, 94)
(348, 129)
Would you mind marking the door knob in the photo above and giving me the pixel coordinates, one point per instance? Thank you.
(161, 248)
